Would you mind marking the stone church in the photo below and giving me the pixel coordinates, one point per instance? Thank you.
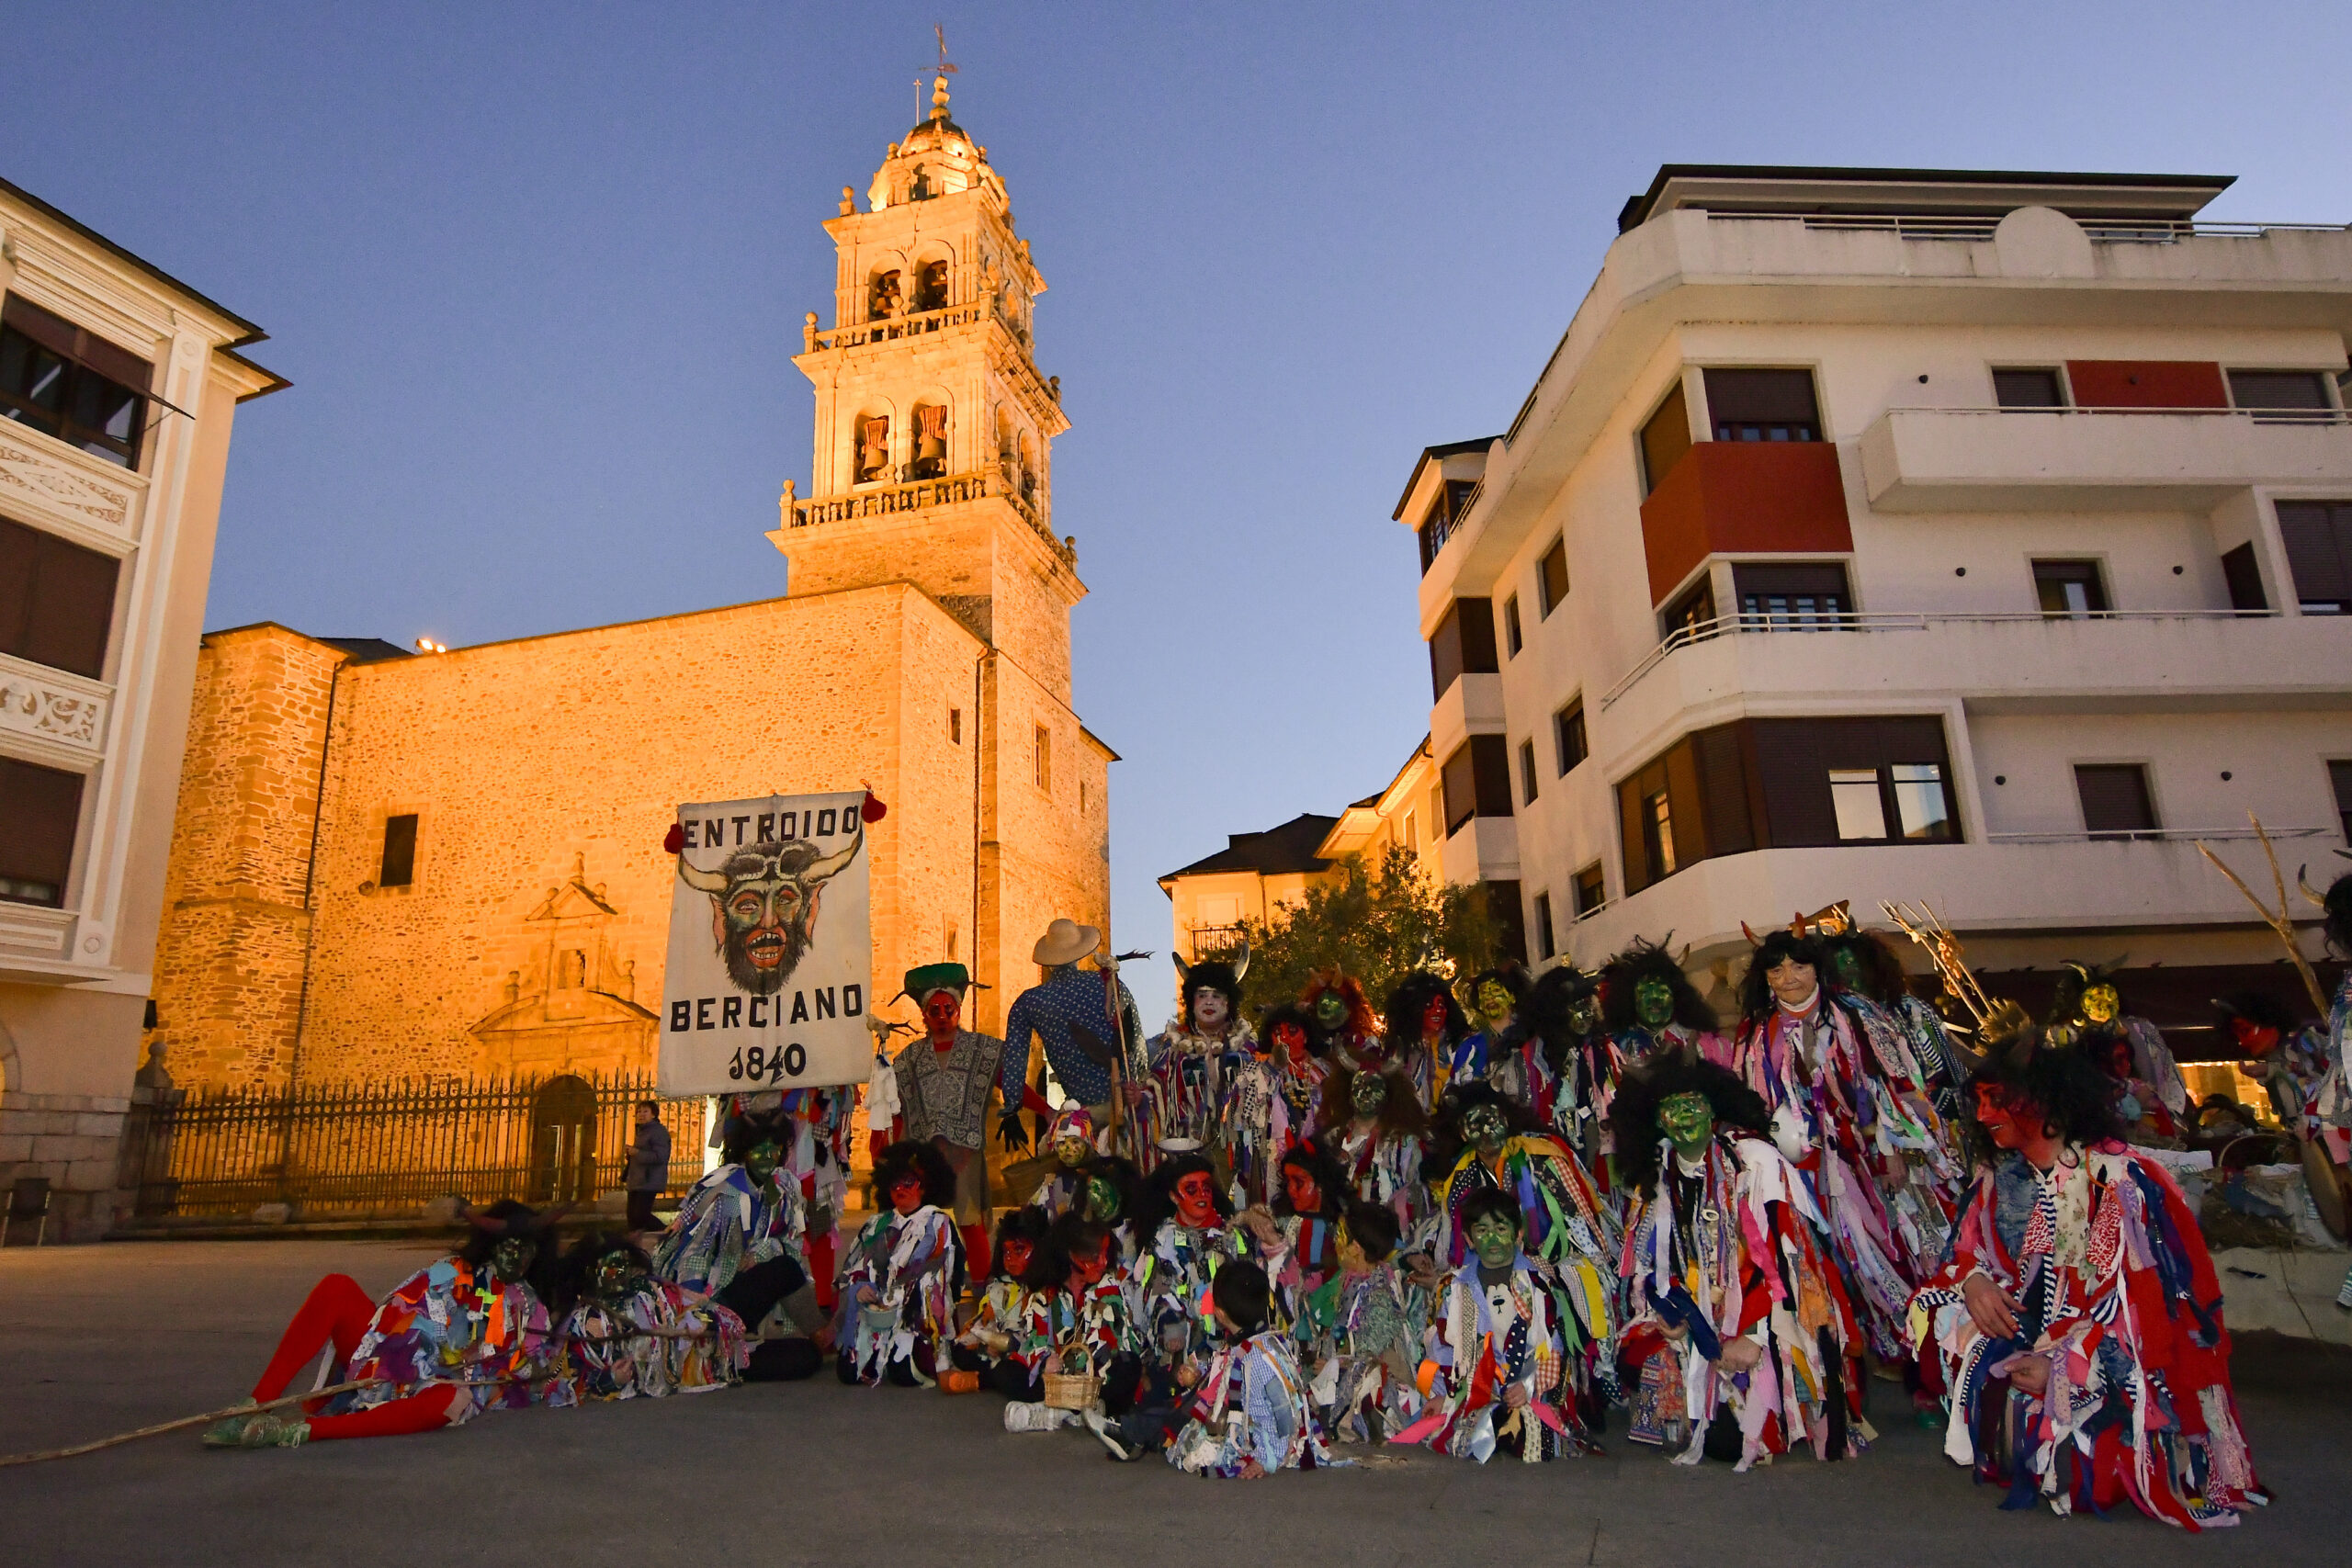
(449, 864)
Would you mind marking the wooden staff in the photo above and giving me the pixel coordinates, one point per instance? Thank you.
(2281, 922)
(185, 1421)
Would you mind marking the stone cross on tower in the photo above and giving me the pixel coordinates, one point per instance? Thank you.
(934, 429)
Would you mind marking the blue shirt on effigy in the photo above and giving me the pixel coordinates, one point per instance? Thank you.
(1068, 996)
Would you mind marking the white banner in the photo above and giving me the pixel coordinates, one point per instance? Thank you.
(771, 947)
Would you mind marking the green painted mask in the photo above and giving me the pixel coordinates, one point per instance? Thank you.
(1582, 1018)
(1494, 1238)
(1101, 1200)
(1653, 1003)
(2101, 1003)
(616, 1274)
(512, 1258)
(1331, 1009)
(761, 1160)
(1368, 1092)
(1485, 1127)
(1495, 1004)
(1688, 1121)
(1845, 965)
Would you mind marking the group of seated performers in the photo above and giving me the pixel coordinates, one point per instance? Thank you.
(1479, 1224)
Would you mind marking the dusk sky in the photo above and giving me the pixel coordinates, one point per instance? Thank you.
(537, 273)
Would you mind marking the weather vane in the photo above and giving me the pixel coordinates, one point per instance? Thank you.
(944, 68)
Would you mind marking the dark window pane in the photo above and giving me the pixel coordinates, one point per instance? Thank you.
(1526, 771)
(2115, 797)
(1763, 405)
(56, 600)
(1568, 727)
(1551, 576)
(1791, 595)
(2028, 389)
(2286, 391)
(2318, 538)
(40, 808)
(1512, 642)
(1665, 439)
(2339, 779)
(1590, 890)
(2069, 588)
(2243, 576)
(1490, 761)
(400, 852)
(1458, 779)
(1922, 801)
(1464, 644)
(1544, 946)
(1695, 609)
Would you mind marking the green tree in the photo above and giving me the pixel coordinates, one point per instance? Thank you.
(1377, 923)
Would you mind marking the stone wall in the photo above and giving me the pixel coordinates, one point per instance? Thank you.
(74, 1140)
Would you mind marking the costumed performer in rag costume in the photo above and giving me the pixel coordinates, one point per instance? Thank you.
(1276, 1097)
(1738, 1340)
(1249, 1414)
(2331, 1102)
(1502, 1052)
(1494, 1373)
(1865, 1139)
(983, 1353)
(1562, 1011)
(1648, 1004)
(1114, 1199)
(902, 1275)
(1866, 963)
(1351, 1033)
(1086, 1022)
(2088, 1008)
(738, 1239)
(1080, 1324)
(1193, 1060)
(1382, 1312)
(944, 1081)
(467, 1334)
(1421, 1009)
(811, 1128)
(1194, 1237)
(1072, 1144)
(1376, 1130)
(2079, 1319)
(1298, 1244)
(1568, 1228)
(631, 1334)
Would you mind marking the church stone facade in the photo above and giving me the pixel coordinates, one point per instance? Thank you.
(450, 865)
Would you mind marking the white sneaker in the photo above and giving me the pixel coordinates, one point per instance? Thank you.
(1022, 1416)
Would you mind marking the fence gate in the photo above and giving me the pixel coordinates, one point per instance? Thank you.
(563, 1141)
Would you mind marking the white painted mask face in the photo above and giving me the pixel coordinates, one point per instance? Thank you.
(1209, 1009)
(1788, 1134)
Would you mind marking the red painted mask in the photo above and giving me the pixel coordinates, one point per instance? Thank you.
(942, 1012)
(1197, 1199)
(1086, 1267)
(905, 1195)
(1291, 1040)
(2013, 1123)
(1306, 1192)
(1015, 1255)
(1433, 1019)
(2254, 1039)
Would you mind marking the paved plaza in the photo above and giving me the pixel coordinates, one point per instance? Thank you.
(102, 1339)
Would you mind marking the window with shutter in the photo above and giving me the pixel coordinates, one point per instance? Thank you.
(2318, 538)
(2069, 588)
(1552, 577)
(56, 600)
(1567, 735)
(2243, 575)
(1763, 405)
(1665, 438)
(1789, 596)
(39, 810)
(1464, 644)
(2028, 390)
(1694, 614)
(1544, 945)
(1591, 891)
(2282, 396)
(2115, 799)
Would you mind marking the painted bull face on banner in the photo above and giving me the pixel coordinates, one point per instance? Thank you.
(764, 906)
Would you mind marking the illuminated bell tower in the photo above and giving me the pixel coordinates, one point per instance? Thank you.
(934, 431)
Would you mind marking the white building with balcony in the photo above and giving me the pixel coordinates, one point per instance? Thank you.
(119, 384)
(1983, 539)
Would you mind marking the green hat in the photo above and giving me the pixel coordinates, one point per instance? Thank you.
(925, 978)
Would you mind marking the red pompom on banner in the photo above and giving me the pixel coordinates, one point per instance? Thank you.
(873, 810)
(675, 840)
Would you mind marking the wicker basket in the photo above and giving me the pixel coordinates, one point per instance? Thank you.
(1073, 1390)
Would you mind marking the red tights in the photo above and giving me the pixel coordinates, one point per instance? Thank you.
(337, 1313)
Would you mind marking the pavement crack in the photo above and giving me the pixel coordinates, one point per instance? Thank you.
(1592, 1554)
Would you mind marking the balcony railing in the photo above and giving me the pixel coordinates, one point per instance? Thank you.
(1980, 227)
(892, 327)
(914, 495)
(2258, 416)
(1854, 621)
(2161, 835)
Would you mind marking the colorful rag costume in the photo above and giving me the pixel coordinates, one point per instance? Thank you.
(694, 1346)
(1381, 1315)
(1728, 1247)
(456, 1323)
(1171, 1287)
(1091, 1327)
(1486, 1335)
(1191, 1083)
(1879, 1159)
(944, 1101)
(2114, 1285)
(914, 1263)
(1269, 1109)
(1383, 1166)
(1251, 1407)
(729, 1222)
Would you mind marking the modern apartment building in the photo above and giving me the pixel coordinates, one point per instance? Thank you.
(120, 384)
(1983, 539)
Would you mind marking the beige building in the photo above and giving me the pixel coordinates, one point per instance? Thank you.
(449, 864)
(121, 384)
(1257, 874)
(1979, 539)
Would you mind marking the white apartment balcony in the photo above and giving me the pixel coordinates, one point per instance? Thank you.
(2116, 661)
(1471, 705)
(2035, 884)
(2094, 459)
(1485, 849)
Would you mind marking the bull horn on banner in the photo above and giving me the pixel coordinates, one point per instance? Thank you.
(711, 882)
(823, 870)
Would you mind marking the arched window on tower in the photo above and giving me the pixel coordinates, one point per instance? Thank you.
(931, 287)
(882, 303)
(872, 448)
(1028, 472)
(930, 442)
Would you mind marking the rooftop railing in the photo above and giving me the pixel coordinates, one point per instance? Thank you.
(880, 500)
(1978, 227)
(1683, 637)
(2259, 416)
(2162, 835)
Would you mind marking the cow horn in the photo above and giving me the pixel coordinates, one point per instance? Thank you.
(824, 870)
(1241, 963)
(2303, 880)
(1183, 970)
(1749, 932)
(713, 881)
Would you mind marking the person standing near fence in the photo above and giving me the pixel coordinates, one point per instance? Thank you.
(648, 1165)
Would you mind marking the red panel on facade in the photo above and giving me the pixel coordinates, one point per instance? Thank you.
(1748, 497)
(2146, 384)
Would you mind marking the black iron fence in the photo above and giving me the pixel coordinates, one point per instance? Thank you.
(384, 1148)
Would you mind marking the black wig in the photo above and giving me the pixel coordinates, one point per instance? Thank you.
(1029, 1225)
(1214, 975)
(921, 1161)
(1159, 1197)
(1408, 999)
(1649, 960)
(1073, 1237)
(1401, 1113)
(1878, 971)
(744, 1133)
(1318, 1044)
(1632, 1115)
(1372, 1226)
(575, 1277)
(2062, 1085)
(1550, 1008)
(1755, 998)
(1330, 1181)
